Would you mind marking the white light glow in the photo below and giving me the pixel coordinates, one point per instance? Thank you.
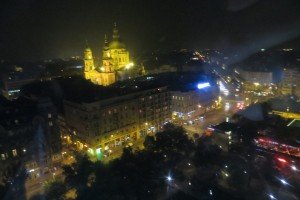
(129, 65)
(169, 178)
(203, 85)
(283, 182)
(294, 167)
(223, 89)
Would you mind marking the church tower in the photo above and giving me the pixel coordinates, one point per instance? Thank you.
(106, 57)
(108, 75)
(88, 62)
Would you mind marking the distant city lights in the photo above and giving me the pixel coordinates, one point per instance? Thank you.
(223, 89)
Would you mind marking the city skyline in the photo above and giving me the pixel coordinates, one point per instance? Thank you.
(172, 99)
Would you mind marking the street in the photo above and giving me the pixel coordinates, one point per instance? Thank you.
(210, 118)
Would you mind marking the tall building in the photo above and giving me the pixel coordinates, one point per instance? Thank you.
(113, 121)
(115, 57)
(28, 134)
(253, 76)
(290, 81)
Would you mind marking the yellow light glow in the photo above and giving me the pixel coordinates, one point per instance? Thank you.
(129, 65)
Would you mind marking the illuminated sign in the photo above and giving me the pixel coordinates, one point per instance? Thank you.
(203, 85)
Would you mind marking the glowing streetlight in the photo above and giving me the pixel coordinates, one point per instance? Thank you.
(294, 167)
(169, 178)
(271, 196)
(283, 182)
(129, 65)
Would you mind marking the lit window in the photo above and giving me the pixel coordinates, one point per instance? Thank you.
(14, 152)
(49, 115)
(3, 156)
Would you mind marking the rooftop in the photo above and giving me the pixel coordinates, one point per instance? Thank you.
(226, 126)
(79, 90)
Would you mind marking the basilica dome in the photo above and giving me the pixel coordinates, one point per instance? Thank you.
(116, 44)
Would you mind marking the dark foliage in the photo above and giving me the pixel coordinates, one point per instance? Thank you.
(142, 174)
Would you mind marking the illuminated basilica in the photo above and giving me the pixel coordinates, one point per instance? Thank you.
(115, 57)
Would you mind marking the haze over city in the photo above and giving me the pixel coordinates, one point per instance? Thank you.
(50, 29)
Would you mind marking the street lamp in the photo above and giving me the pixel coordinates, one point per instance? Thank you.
(271, 196)
(294, 167)
(129, 65)
(169, 178)
(283, 182)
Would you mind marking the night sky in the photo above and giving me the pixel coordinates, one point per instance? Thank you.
(36, 29)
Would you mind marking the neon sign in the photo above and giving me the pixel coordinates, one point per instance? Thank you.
(203, 85)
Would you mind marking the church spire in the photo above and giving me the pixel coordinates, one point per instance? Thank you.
(105, 40)
(115, 32)
(86, 44)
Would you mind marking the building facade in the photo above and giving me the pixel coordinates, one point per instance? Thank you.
(190, 104)
(29, 135)
(256, 77)
(108, 123)
(290, 84)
